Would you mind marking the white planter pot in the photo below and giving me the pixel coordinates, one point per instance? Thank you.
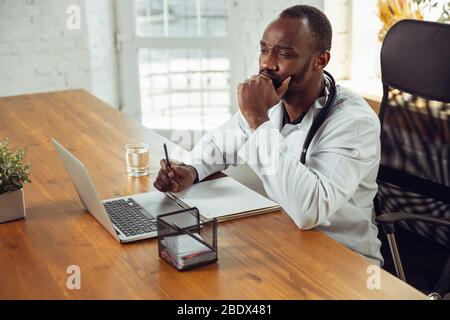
(12, 206)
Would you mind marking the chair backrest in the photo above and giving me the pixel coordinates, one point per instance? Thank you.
(415, 131)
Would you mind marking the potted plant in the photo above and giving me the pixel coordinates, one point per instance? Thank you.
(13, 175)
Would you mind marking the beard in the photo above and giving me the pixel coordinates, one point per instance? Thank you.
(296, 82)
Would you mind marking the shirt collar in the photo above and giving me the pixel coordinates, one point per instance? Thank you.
(286, 116)
(319, 103)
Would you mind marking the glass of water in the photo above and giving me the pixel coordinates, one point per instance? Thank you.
(138, 159)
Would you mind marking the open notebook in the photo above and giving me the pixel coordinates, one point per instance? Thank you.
(223, 198)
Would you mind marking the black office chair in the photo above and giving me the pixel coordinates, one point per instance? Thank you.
(414, 181)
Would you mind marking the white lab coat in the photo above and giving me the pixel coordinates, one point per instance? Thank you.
(333, 191)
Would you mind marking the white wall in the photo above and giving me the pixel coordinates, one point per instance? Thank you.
(255, 15)
(39, 53)
(100, 16)
(365, 53)
(339, 13)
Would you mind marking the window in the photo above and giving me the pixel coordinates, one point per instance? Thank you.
(181, 18)
(184, 89)
(183, 63)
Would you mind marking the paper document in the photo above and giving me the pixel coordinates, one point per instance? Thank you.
(225, 197)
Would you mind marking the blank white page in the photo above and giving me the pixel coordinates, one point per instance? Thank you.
(222, 197)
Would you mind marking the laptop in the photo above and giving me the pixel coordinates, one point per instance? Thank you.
(129, 218)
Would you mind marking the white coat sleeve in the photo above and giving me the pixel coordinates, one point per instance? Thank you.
(218, 148)
(342, 157)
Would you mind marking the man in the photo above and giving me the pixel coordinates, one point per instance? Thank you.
(334, 190)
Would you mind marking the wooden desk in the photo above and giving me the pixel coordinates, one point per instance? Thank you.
(260, 257)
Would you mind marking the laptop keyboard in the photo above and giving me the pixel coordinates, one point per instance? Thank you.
(128, 216)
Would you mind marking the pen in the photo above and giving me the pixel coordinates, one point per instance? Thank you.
(167, 155)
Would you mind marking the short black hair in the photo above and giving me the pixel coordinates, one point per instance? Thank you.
(318, 23)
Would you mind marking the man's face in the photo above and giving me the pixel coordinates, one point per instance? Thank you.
(285, 51)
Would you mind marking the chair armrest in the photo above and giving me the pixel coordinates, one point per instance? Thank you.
(387, 220)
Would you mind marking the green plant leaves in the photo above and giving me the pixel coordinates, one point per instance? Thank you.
(13, 173)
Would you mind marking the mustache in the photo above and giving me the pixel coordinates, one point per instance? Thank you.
(275, 80)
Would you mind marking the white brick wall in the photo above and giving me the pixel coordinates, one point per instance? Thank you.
(255, 15)
(104, 69)
(339, 13)
(38, 53)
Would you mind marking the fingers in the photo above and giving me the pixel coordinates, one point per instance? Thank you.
(170, 176)
(167, 169)
(283, 87)
(177, 171)
(239, 87)
(257, 77)
(265, 77)
(175, 187)
(253, 79)
(164, 183)
(172, 162)
(182, 174)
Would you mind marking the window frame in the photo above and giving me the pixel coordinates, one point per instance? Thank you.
(128, 44)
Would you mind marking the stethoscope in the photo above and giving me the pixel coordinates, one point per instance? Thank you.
(320, 119)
